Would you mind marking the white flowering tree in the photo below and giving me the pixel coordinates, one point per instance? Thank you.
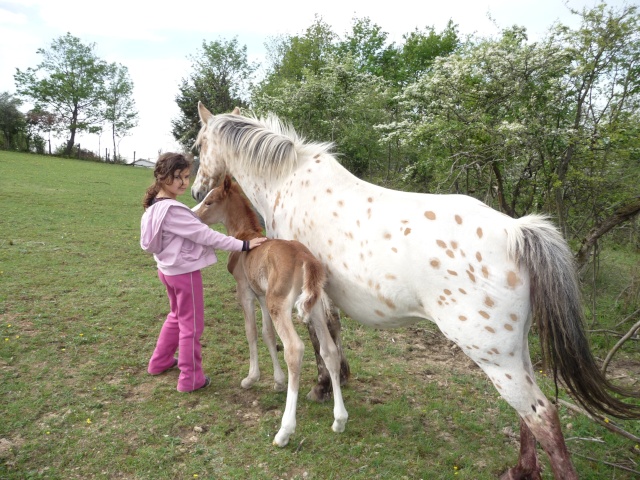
(545, 126)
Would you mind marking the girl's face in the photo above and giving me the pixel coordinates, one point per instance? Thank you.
(178, 184)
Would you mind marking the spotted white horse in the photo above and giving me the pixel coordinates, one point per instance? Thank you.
(395, 258)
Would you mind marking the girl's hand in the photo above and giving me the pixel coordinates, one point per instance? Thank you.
(256, 242)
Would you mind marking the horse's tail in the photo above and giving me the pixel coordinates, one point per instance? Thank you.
(557, 310)
(313, 280)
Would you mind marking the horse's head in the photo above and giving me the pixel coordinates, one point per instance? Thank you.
(214, 209)
(212, 164)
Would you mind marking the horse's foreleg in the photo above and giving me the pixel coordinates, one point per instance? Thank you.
(269, 337)
(293, 353)
(246, 300)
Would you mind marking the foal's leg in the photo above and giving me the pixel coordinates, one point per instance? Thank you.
(269, 337)
(322, 390)
(246, 299)
(280, 310)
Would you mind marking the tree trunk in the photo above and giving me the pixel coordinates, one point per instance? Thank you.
(623, 214)
(72, 129)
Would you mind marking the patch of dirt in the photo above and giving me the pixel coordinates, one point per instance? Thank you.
(9, 448)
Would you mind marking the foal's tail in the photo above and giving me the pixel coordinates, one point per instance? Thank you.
(557, 311)
(313, 280)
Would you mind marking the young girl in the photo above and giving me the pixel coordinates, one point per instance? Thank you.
(181, 245)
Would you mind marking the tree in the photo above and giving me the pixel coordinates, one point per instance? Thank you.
(40, 122)
(292, 58)
(604, 101)
(366, 44)
(68, 82)
(12, 122)
(338, 103)
(420, 49)
(547, 126)
(220, 79)
(119, 106)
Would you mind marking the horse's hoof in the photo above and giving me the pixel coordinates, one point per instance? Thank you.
(280, 387)
(318, 394)
(516, 473)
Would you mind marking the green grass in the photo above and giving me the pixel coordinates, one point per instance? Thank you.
(80, 309)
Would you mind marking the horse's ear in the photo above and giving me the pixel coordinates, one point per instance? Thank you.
(236, 111)
(203, 112)
(227, 183)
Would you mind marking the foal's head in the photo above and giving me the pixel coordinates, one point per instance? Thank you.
(227, 204)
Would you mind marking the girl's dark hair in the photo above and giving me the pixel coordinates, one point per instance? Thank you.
(164, 171)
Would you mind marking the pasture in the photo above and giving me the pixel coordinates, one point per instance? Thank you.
(80, 309)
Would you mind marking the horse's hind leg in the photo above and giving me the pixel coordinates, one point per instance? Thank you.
(330, 353)
(528, 467)
(322, 390)
(540, 420)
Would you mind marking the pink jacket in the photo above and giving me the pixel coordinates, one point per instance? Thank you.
(179, 241)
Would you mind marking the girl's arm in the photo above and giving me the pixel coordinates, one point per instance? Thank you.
(181, 221)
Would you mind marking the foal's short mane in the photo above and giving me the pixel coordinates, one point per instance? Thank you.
(265, 145)
(253, 228)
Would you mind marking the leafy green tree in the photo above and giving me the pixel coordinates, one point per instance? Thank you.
(367, 46)
(339, 103)
(68, 82)
(12, 123)
(292, 58)
(420, 50)
(220, 79)
(343, 89)
(118, 103)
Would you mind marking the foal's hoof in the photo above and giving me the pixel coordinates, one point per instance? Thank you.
(281, 440)
(247, 383)
(339, 426)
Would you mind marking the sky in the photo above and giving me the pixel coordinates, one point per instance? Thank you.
(156, 40)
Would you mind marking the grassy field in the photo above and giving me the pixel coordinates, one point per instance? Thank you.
(80, 310)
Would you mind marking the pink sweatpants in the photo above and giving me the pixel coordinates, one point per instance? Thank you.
(182, 330)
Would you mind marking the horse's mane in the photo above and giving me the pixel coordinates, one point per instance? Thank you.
(265, 145)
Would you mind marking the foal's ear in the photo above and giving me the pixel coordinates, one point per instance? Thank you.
(227, 183)
(203, 112)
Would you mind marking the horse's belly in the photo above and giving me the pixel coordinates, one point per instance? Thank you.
(370, 309)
